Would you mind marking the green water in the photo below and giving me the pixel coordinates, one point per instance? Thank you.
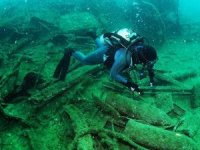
(89, 110)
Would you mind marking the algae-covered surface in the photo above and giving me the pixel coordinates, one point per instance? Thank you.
(90, 111)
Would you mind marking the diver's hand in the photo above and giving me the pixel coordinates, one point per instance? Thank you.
(133, 87)
(151, 84)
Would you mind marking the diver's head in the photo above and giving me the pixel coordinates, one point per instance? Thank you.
(148, 54)
(126, 33)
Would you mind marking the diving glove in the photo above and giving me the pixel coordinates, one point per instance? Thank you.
(151, 82)
(133, 87)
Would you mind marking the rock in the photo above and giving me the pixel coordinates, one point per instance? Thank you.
(139, 110)
(59, 39)
(78, 22)
(164, 101)
(2, 56)
(189, 123)
(31, 80)
(156, 138)
(196, 96)
(5, 32)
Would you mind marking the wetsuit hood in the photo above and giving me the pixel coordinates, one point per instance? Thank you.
(147, 54)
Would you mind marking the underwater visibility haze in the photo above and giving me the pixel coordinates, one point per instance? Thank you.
(99, 75)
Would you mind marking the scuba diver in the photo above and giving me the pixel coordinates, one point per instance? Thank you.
(117, 51)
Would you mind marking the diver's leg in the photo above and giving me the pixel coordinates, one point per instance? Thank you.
(100, 41)
(95, 57)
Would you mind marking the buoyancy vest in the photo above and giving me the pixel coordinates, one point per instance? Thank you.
(116, 42)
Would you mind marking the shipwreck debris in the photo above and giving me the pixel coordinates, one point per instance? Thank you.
(156, 138)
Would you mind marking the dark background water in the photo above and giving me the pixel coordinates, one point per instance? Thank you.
(118, 13)
(190, 11)
(157, 20)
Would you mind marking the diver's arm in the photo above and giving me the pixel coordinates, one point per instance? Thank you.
(142, 74)
(151, 73)
(118, 66)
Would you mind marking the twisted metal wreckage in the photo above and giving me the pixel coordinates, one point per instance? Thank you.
(88, 111)
(98, 122)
